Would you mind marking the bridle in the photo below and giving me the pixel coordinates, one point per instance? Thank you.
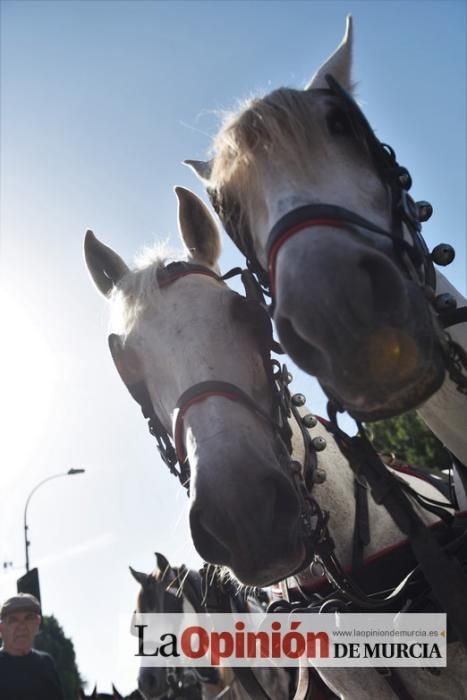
(284, 406)
(406, 215)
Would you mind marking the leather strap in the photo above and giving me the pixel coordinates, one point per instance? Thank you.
(201, 392)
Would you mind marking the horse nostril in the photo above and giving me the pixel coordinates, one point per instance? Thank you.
(208, 546)
(387, 284)
(307, 357)
(285, 505)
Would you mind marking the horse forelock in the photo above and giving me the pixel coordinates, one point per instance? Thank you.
(278, 126)
(138, 288)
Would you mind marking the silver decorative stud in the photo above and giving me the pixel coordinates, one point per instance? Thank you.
(405, 181)
(309, 421)
(298, 400)
(319, 443)
(443, 254)
(289, 377)
(445, 302)
(319, 476)
(425, 210)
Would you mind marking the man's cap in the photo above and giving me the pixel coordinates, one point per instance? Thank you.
(22, 602)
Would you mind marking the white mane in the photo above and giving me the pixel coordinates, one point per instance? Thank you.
(139, 288)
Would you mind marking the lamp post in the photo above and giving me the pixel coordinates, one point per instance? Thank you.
(70, 472)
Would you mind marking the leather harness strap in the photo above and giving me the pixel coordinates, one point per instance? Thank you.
(201, 392)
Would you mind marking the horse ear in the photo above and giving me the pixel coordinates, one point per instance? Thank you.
(339, 65)
(162, 563)
(139, 576)
(106, 267)
(201, 168)
(115, 693)
(197, 228)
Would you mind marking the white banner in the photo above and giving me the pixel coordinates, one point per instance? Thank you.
(189, 639)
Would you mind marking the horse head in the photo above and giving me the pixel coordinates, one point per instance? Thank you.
(196, 350)
(322, 212)
(164, 591)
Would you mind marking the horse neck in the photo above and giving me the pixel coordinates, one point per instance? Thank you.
(445, 412)
(336, 495)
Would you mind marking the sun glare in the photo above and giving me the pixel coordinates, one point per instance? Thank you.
(27, 381)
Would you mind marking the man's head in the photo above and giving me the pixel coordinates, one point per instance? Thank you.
(19, 623)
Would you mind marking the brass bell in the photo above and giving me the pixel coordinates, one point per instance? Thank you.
(425, 210)
(443, 254)
(298, 400)
(319, 443)
(405, 180)
(309, 421)
(445, 302)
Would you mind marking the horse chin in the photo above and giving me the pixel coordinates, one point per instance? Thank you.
(389, 367)
(387, 401)
(268, 573)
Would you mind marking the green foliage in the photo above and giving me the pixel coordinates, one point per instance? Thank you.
(52, 640)
(410, 440)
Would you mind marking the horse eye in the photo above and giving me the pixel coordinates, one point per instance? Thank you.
(338, 122)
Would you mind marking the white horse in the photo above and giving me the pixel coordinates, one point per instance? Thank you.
(245, 512)
(312, 198)
(176, 590)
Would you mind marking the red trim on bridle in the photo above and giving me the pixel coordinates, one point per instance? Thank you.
(181, 411)
(338, 223)
(170, 279)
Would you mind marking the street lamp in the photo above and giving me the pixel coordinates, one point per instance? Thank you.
(70, 472)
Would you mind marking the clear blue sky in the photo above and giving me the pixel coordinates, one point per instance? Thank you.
(100, 103)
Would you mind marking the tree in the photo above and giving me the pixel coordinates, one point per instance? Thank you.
(410, 440)
(52, 640)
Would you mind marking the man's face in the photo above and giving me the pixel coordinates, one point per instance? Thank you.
(18, 630)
